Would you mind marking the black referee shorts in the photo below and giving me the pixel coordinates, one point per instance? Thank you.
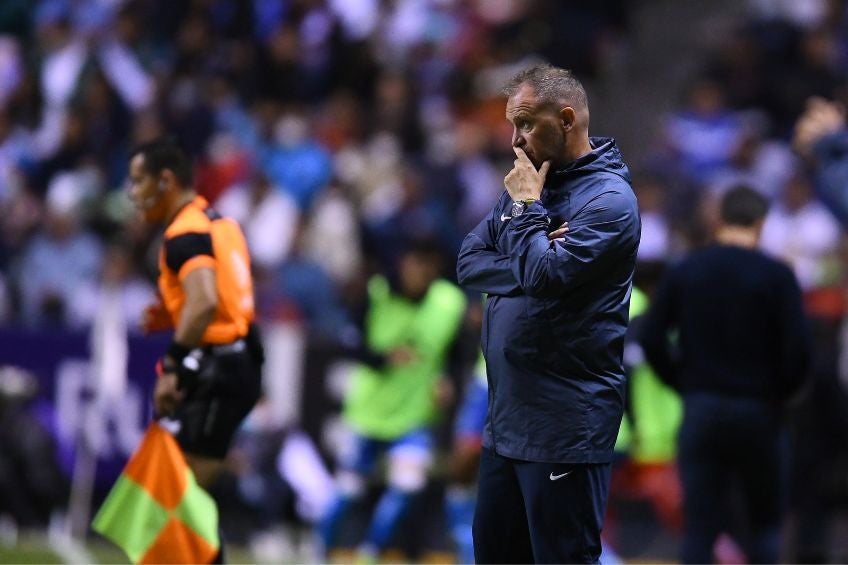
(228, 387)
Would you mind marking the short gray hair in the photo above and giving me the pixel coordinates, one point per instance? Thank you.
(551, 84)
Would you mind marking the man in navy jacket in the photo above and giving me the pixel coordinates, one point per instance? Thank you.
(556, 258)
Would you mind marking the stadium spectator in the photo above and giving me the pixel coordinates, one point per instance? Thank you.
(803, 233)
(333, 236)
(120, 285)
(268, 216)
(702, 137)
(761, 163)
(820, 135)
(62, 258)
(656, 240)
(402, 102)
(307, 285)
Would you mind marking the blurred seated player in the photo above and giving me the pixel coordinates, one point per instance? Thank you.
(411, 322)
(210, 377)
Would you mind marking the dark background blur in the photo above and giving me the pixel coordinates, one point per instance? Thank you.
(335, 131)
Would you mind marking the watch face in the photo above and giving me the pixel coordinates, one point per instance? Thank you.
(517, 208)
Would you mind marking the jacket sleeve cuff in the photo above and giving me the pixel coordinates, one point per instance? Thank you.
(534, 214)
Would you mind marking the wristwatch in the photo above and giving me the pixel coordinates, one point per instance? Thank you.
(519, 206)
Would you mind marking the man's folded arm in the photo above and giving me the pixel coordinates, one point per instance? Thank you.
(481, 266)
(605, 231)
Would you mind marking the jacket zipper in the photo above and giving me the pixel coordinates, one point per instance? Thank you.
(489, 307)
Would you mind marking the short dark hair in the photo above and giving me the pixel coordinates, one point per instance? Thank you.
(551, 84)
(426, 247)
(165, 153)
(743, 206)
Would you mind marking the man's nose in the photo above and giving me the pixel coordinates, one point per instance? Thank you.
(517, 139)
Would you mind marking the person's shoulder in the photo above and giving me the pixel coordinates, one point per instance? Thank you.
(759, 259)
(448, 291)
(613, 187)
(775, 273)
(612, 196)
(701, 262)
(718, 253)
(683, 263)
(779, 268)
(190, 220)
(378, 287)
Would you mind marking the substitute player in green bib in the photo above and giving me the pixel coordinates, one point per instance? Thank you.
(409, 330)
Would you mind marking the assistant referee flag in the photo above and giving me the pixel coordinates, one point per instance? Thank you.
(156, 512)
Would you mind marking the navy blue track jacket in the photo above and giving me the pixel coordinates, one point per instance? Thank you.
(556, 315)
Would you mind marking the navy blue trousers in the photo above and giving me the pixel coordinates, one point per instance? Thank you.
(730, 442)
(539, 512)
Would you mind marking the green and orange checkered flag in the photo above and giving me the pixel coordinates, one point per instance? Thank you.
(156, 511)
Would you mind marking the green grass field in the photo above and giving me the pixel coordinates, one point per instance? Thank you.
(38, 550)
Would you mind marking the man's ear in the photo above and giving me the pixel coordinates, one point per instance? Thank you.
(167, 178)
(567, 118)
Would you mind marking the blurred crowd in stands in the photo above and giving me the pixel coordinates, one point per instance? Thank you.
(336, 131)
(332, 130)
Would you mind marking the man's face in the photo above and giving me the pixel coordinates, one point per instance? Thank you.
(417, 273)
(537, 127)
(145, 191)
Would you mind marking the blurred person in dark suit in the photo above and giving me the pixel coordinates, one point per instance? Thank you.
(741, 351)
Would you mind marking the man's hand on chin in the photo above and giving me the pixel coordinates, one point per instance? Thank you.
(524, 182)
